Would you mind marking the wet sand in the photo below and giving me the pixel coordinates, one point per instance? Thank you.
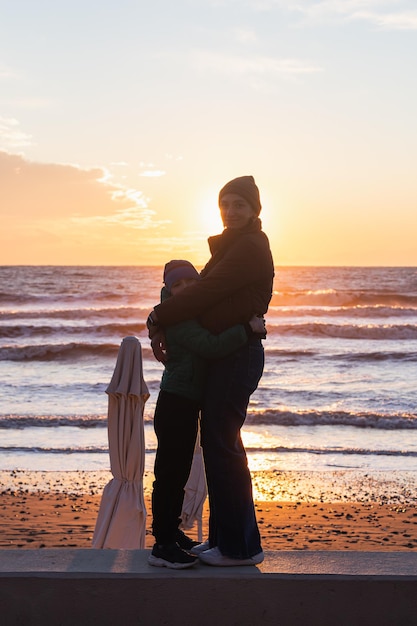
(52, 510)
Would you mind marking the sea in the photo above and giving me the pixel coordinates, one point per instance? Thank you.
(338, 391)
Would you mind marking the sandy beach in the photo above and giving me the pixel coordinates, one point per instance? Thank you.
(59, 510)
(45, 520)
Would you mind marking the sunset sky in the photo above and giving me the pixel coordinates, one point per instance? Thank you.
(120, 120)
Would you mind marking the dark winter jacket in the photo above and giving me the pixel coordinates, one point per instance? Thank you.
(235, 284)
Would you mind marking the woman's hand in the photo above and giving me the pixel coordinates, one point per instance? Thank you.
(157, 337)
(257, 323)
(158, 346)
(152, 324)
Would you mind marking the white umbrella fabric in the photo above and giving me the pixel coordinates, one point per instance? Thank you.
(121, 520)
(195, 493)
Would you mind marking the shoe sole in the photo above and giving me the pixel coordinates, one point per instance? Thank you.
(227, 562)
(157, 562)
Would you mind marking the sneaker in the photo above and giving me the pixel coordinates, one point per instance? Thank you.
(185, 542)
(215, 557)
(201, 547)
(171, 556)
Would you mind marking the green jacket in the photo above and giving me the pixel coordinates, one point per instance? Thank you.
(188, 347)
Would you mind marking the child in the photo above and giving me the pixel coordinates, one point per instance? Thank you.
(176, 417)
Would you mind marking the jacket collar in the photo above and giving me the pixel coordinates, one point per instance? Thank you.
(229, 235)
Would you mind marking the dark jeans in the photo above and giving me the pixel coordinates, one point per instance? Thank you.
(175, 423)
(230, 383)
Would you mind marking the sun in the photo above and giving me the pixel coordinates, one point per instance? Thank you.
(209, 213)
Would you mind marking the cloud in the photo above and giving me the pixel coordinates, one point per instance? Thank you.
(244, 35)
(385, 14)
(328, 7)
(11, 136)
(128, 218)
(391, 21)
(31, 102)
(54, 191)
(7, 72)
(255, 66)
(152, 173)
(54, 213)
(149, 170)
(173, 157)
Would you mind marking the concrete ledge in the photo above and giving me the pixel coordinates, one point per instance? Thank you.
(68, 587)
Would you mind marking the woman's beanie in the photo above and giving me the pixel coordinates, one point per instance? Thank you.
(245, 187)
(179, 270)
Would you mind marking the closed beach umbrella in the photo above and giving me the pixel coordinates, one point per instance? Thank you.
(195, 493)
(121, 518)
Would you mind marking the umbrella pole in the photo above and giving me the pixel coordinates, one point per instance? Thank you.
(200, 529)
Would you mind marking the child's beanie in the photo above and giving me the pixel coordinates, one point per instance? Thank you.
(178, 270)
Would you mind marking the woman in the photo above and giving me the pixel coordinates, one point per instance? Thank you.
(235, 284)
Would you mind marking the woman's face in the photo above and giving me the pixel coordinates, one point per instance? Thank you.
(235, 211)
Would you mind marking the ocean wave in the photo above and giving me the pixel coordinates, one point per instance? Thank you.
(364, 357)
(330, 451)
(47, 450)
(44, 421)
(345, 298)
(395, 421)
(84, 313)
(316, 330)
(346, 331)
(123, 312)
(119, 329)
(85, 298)
(268, 417)
(350, 357)
(62, 352)
(359, 311)
(289, 353)
(19, 422)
